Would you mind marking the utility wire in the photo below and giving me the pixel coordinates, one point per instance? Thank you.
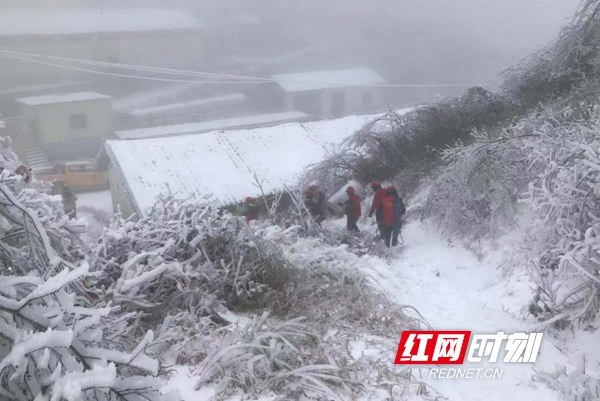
(166, 71)
(140, 68)
(123, 75)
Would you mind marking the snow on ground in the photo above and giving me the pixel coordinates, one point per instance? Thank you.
(95, 208)
(453, 290)
(100, 200)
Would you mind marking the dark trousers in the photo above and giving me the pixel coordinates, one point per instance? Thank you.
(319, 218)
(381, 228)
(390, 234)
(351, 224)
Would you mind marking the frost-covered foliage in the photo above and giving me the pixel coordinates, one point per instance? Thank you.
(570, 61)
(550, 163)
(184, 255)
(406, 143)
(474, 194)
(575, 386)
(565, 196)
(197, 271)
(55, 342)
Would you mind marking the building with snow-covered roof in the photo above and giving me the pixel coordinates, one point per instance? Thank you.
(66, 125)
(218, 163)
(251, 121)
(332, 93)
(185, 112)
(154, 37)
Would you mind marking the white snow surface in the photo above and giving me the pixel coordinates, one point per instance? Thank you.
(65, 98)
(223, 163)
(454, 290)
(100, 200)
(82, 21)
(307, 81)
(207, 126)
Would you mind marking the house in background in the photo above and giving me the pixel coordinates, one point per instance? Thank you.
(226, 124)
(145, 36)
(332, 93)
(64, 127)
(188, 111)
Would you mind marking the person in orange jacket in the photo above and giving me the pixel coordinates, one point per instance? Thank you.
(251, 212)
(377, 206)
(393, 213)
(352, 209)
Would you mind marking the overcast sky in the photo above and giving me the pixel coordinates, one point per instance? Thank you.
(408, 41)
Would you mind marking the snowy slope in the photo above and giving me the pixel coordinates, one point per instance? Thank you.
(454, 290)
(223, 163)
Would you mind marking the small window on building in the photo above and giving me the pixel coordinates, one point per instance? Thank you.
(367, 98)
(78, 121)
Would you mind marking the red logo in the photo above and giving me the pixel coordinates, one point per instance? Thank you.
(432, 347)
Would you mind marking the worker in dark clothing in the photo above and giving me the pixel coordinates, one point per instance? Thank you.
(352, 209)
(315, 202)
(251, 212)
(69, 202)
(393, 214)
(377, 206)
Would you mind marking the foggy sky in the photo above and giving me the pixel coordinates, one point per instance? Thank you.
(409, 41)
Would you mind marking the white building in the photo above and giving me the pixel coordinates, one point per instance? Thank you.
(332, 93)
(244, 122)
(184, 112)
(67, 125)
(221, 163)
(153, 37)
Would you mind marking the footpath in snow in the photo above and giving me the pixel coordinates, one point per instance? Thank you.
(453, 290)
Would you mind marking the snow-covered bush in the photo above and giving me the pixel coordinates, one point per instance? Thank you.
(572, 60)
(407, 143)
(474, 194)
(188, 265)
(55, 341)
(565, 196)
(550, 163)
(183, 255)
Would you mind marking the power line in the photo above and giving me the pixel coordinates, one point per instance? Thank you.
(169, 71)
(123, 75)
(166, 71)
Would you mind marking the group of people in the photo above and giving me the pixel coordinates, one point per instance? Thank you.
(388, 208)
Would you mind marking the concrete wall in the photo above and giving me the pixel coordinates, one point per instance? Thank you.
(51, 123)
(320, 104)
(118, 193)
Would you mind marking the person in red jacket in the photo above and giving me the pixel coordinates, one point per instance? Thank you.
(393, 212)
(352, 209)
(377, 206)
(251, 212)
